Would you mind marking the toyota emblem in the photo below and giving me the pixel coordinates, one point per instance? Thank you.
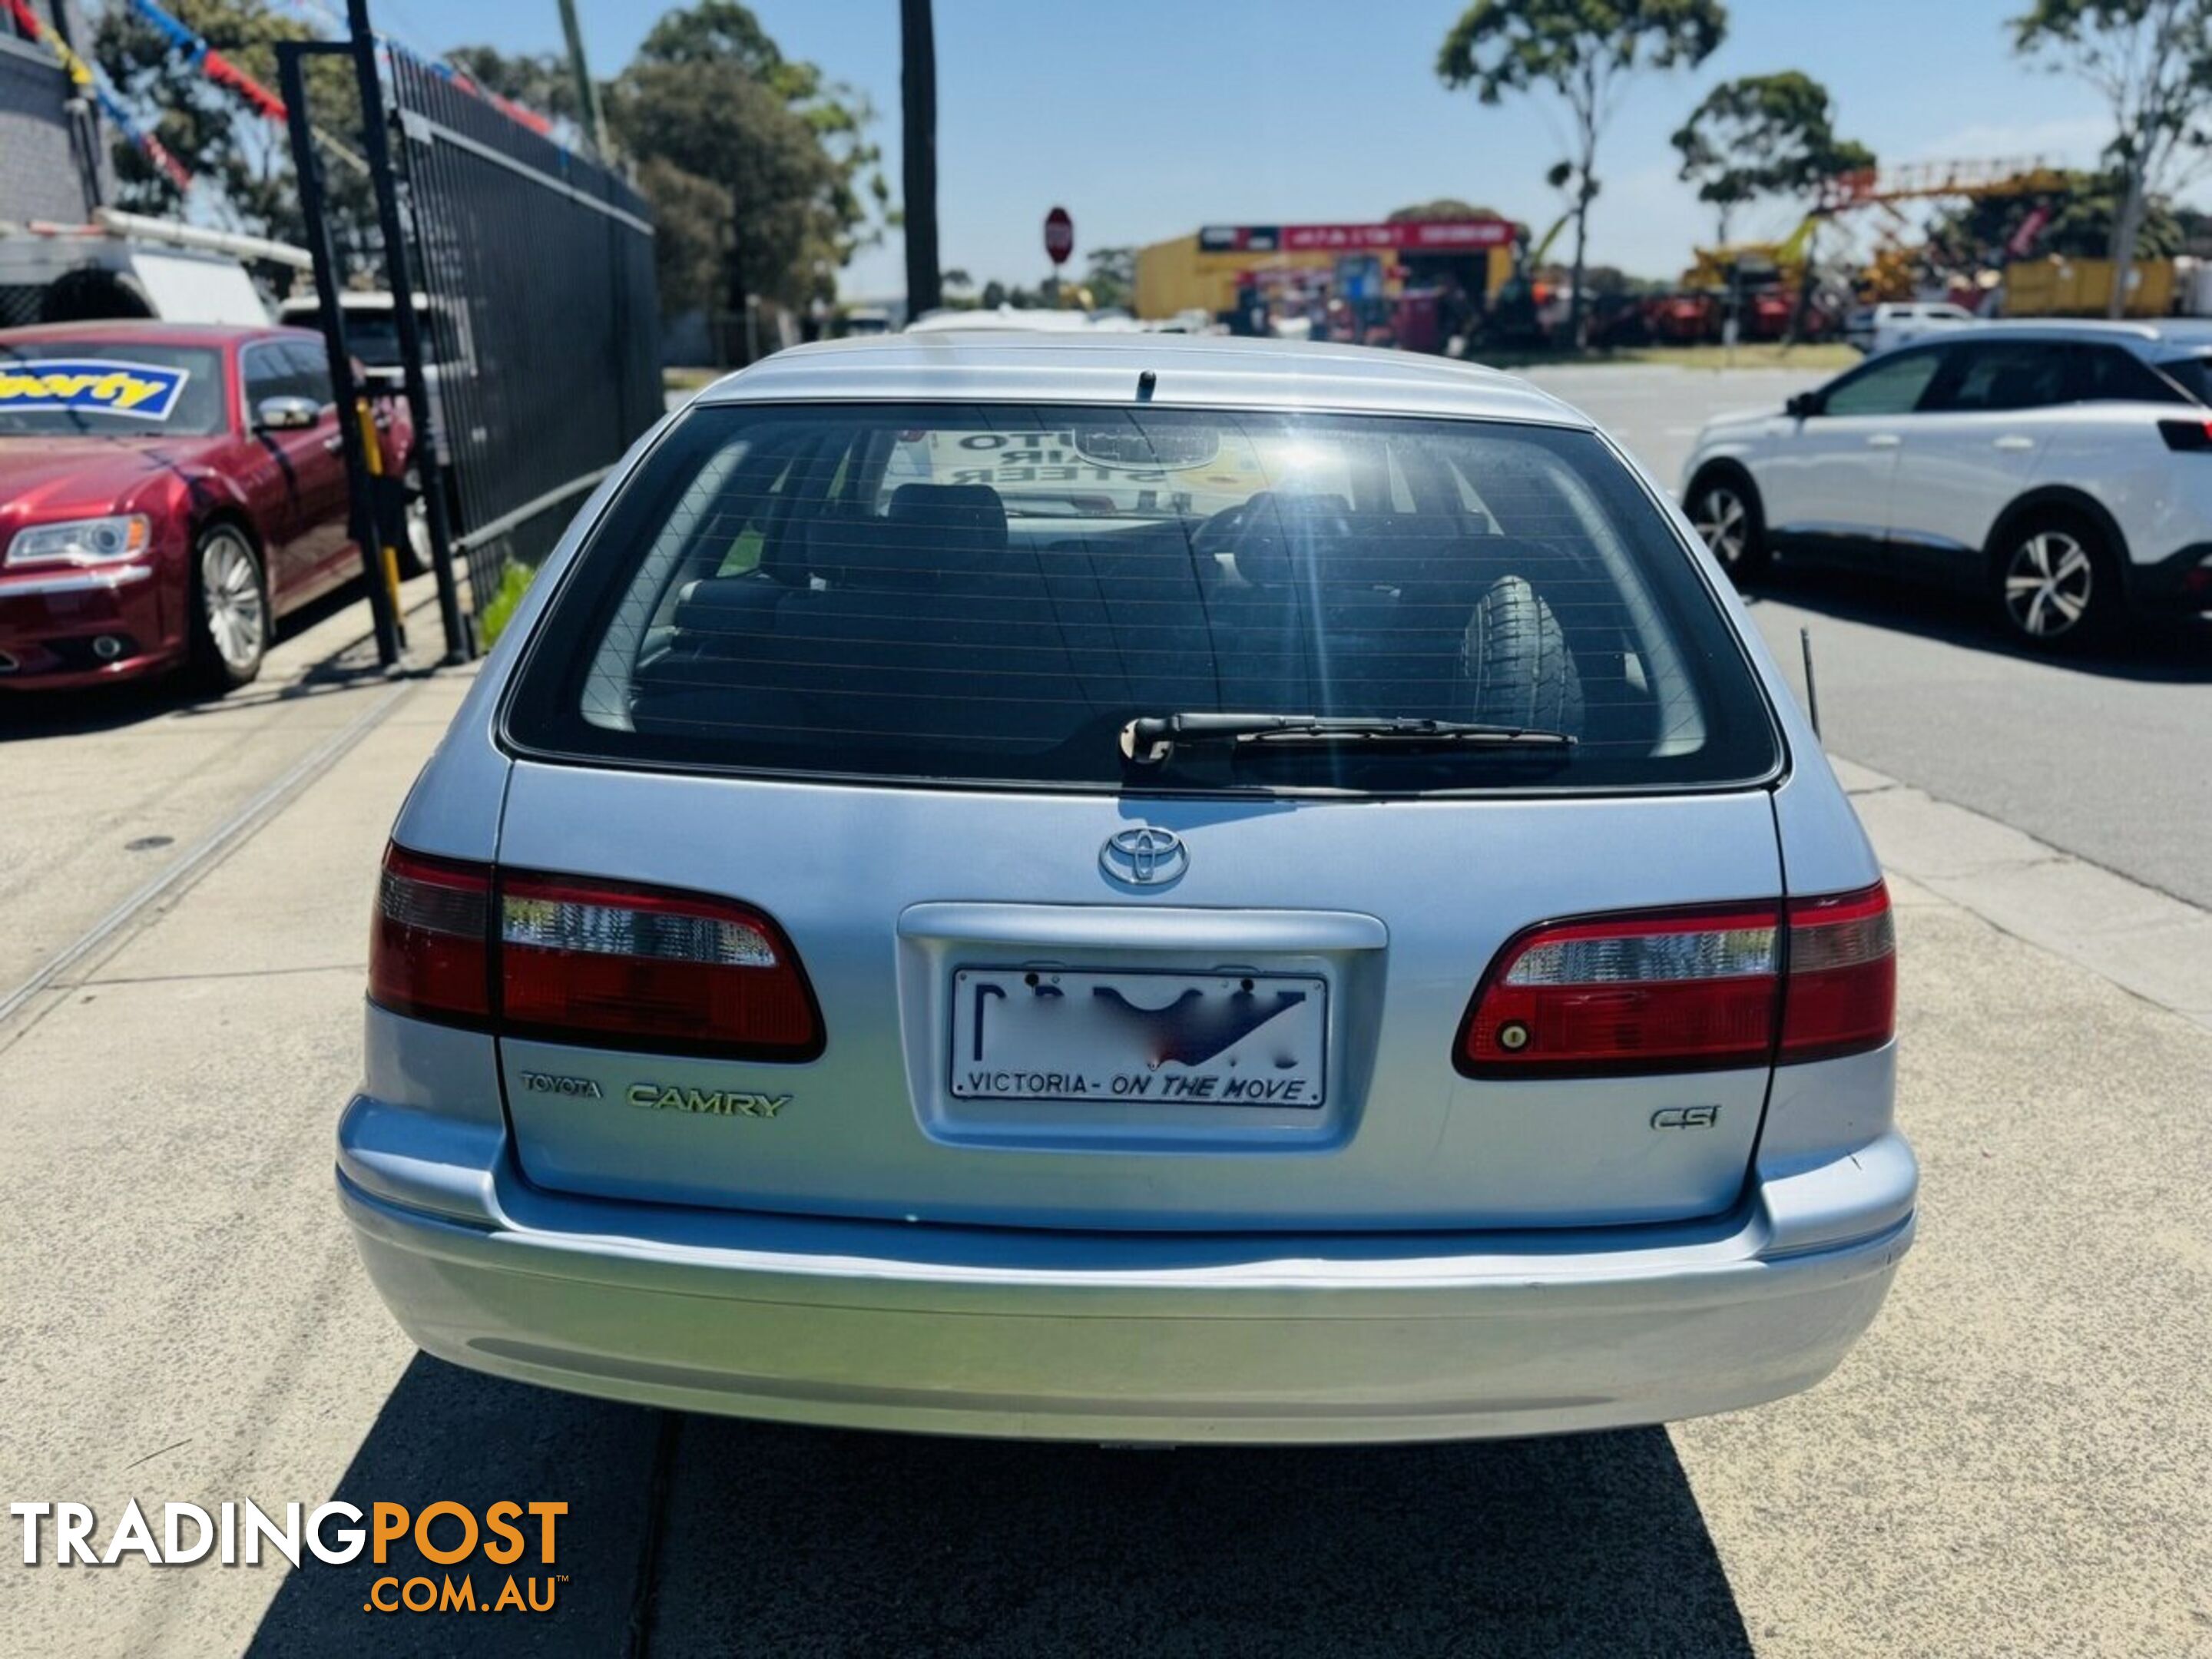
(1144, 857)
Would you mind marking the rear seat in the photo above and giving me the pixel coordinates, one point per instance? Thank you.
(1391, 592)
(730, 616)
(907, 620)
(920, 616)
(718, 615)
(901, 623)
(1131, 616)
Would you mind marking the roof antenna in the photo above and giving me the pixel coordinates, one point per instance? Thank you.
(1812, 690)
(1145, 381)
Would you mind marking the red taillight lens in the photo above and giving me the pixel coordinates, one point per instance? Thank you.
(1689, 991)
(1704, 989)
(617, 966)
(429, 950)
(1841, 997)
(571, 960)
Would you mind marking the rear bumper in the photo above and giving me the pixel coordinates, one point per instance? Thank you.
(1174, 1338)
(2180, 585)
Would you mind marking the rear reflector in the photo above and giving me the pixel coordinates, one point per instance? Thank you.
(1705, 989)
(598, 963)
(640, 968)
(428, 953)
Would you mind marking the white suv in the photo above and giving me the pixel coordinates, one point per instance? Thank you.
(2064, 469)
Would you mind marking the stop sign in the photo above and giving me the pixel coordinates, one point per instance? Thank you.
(1059, 235)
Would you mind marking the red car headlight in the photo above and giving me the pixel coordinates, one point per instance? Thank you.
(83, 541)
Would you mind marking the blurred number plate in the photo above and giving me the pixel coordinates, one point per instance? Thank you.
(1162, 1038)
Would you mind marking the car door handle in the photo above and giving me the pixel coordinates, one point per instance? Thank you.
(1884, 440)
(2013, 440)
(333, 444)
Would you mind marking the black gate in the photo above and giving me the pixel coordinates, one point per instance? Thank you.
(522, 277)
(544, 348)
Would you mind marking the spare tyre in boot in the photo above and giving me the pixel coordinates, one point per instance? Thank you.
(1514, 661)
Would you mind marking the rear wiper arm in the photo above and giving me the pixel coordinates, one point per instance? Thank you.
(1151, 738)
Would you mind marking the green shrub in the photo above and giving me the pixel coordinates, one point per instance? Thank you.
(513, 583)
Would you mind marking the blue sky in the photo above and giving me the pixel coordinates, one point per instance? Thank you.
(1149, 118)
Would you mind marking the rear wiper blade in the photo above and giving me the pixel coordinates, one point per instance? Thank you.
(1151, 738)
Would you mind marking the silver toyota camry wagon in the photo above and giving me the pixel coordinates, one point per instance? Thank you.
(1132, 888)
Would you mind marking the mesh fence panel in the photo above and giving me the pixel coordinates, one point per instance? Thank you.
(542, 345)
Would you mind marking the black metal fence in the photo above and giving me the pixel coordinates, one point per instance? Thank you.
(542, 349)
(522, 280)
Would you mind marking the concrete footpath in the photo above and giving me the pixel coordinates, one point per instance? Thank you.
(113, 791)
(2014, 1460)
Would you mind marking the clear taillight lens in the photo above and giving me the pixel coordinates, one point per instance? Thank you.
(618, 966)
(1704, 989)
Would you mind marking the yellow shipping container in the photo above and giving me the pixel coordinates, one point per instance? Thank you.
(1177, 276)
(2082, 288)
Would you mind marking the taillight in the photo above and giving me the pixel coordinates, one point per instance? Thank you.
(1710, 988)
(568, 959)
(430, 951)
(1693, 990)
(623, 967)
(2186, 434)
(1841, 993)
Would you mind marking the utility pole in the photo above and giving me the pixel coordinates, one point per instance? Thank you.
(918, 96)
(587, 90)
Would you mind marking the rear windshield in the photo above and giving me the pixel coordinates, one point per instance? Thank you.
(992, 595)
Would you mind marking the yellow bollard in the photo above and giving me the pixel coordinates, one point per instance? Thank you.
(371, 449)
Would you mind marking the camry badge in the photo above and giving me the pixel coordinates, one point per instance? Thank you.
(707, 1103)
(1144, 857)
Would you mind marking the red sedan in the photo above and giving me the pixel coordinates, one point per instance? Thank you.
(166, 493)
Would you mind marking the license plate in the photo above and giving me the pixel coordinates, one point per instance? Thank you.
(1169, 1039)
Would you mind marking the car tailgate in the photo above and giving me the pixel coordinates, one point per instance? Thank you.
(1376, 920)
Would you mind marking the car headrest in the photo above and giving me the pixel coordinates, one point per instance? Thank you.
(1305, 541)
(727, 604)
(962, 525)
(1282, 530)
(870, 554)
(1300, 504)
